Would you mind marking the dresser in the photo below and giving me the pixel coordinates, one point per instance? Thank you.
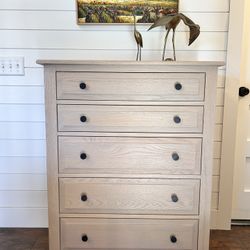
(129, 154)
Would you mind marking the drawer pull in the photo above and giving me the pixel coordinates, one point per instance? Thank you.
(85, 238)
(83, 156)
(175, 156)
(174, 198)
(173, 239)
(178, 86)
(83, 85)
(84, 197)
(83, 118)
(177, 119)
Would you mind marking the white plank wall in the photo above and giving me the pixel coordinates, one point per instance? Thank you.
(47, 29)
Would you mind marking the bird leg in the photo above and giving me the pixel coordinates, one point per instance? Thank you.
(165, 43)
(137, 56)
(173, 41)
(140, 54)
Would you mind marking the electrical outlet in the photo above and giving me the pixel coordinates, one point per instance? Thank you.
(11, 66)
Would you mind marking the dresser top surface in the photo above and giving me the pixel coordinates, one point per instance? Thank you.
(130, 63)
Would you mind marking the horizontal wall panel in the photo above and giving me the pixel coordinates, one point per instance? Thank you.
(220, 97)
(21, 182)
(31, 77)
(216, 184)
(219, 115)
(22, 94)
(216, 167)
(22, 130)
(32, 148)
(24, 217)
(22, 113)
(105, 40)
(66, 20)
(215, 201)
(218, 133)
(221, 78)
(22, 165)
(31, 55)
(185, 5)
(27, 199)
(217, 150)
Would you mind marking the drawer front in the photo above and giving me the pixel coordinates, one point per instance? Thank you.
(131, 86)
(113, 234)
(178, 119)
(101, 155)
(129, 196)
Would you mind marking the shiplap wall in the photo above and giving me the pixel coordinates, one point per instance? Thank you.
(46, 29)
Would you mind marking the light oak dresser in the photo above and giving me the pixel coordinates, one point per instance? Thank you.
(129, 154)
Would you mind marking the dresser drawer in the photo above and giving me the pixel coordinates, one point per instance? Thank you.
(131, 86)
(179, 119)
(113, 234)
(129, 196)
(101, 155)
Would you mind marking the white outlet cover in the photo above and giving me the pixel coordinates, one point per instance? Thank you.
(11, 66)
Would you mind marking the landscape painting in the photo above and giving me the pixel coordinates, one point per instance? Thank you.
(124, 11)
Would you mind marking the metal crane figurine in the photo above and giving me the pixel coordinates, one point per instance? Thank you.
(171, 22)
(139, 41)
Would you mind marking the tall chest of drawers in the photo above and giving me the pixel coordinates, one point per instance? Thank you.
(129, 154)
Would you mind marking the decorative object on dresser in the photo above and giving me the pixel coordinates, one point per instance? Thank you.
(139, 41)
(129, 154)
(171, 22)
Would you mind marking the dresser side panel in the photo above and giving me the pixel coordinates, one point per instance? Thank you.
(52, 161)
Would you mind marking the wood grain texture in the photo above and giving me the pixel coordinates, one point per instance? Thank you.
(129, 155)
(130, 86)
(128, 234)
(129, 196)
(130, 119)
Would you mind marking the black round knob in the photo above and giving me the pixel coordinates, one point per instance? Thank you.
(173, 238)
(243, 91)
(83, 156)
(178, 86)
(175, 157)
(83, 118)
(85, 238)
(177, 119)
(174, 198)
(83, 85)
(84, 197)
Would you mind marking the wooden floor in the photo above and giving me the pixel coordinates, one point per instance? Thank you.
(37, 239)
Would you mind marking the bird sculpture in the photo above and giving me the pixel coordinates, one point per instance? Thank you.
(139, 41)
(171, 22)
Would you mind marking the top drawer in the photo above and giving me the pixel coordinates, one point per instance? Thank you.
(99, 86)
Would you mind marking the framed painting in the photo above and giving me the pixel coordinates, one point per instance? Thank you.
(124, 11)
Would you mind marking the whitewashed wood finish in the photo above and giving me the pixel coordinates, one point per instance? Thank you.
(19, 199)
(129, 118)
(128, 234)
(24, 217)
(22, 94)
(130, 86)
(73, 40)
(129, 155)
(22, 165)
(129, 196)
(210, 6)
(65, 20)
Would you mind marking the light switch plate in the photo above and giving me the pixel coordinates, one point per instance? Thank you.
(11, 66)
